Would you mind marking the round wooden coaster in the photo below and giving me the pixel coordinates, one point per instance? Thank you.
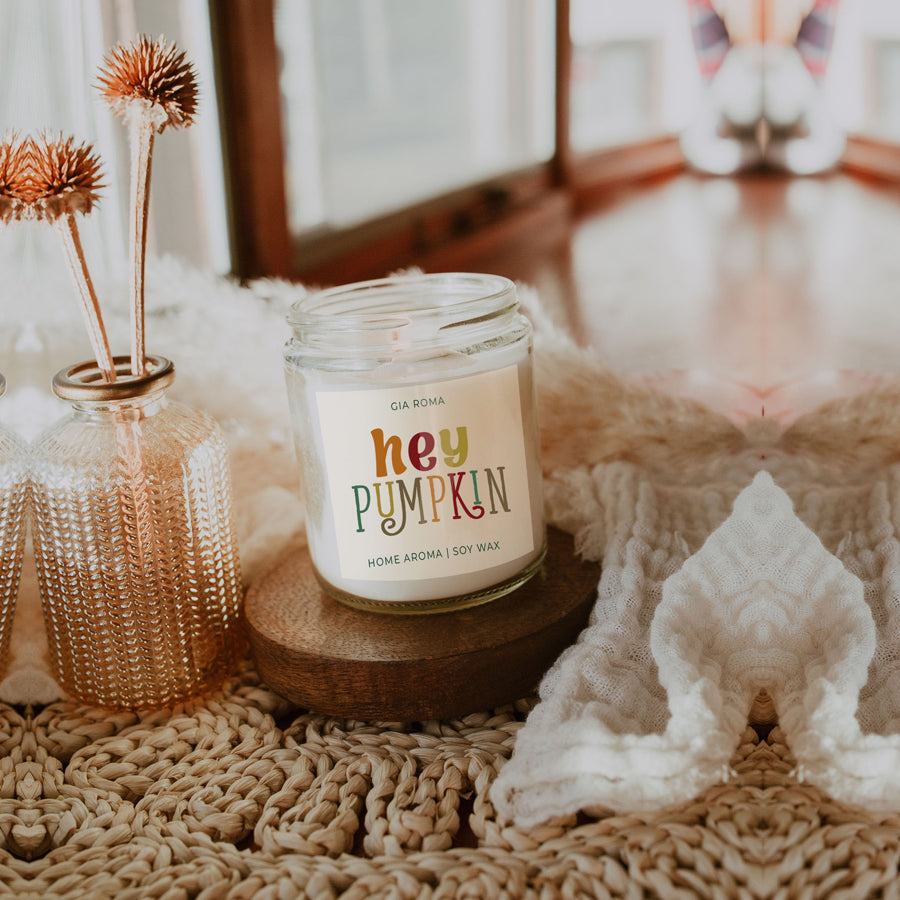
(346, 662)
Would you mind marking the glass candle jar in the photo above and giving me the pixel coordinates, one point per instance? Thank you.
(134, 541)
(412, 400)
(13, 496)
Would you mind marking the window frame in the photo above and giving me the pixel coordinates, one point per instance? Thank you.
(435, 233)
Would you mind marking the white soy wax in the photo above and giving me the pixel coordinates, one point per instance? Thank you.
(413, 408)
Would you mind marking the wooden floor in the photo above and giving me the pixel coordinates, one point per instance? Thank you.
(752, 292)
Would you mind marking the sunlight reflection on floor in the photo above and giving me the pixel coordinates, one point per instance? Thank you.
(746, 293)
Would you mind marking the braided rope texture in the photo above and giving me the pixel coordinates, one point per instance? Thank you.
(242, 796)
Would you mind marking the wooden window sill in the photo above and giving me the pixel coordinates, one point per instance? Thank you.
(872, 157)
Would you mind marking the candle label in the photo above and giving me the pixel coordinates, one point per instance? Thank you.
(429, 480)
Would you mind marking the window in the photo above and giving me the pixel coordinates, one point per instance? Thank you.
(633, 74)
(390, 102)
(862, 80)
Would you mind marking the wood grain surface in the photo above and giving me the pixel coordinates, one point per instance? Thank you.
(341, 661)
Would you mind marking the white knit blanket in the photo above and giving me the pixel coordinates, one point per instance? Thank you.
(731, 565)
(705, 600)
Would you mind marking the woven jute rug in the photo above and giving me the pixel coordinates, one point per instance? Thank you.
(242, 796)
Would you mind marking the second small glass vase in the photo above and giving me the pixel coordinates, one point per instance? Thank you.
(134, 541)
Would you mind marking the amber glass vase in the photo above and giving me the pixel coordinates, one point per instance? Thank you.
(134, 541)
(13, 491)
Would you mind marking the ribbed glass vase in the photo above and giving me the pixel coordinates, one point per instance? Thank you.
(13, 496)
(134, 542)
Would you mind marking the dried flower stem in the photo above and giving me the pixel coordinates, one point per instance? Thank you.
(141, 133)
(58, 179)
(90, 306)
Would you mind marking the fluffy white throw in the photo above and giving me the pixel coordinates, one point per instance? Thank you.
(735, 561)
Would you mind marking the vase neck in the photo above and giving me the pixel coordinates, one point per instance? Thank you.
(130, 410)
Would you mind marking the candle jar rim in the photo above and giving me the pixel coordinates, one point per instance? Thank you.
(461, 298)
(84, 381)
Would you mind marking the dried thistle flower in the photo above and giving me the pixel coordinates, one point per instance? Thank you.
(15, 178)
(152, 79)
(153, 86)
(63, 178)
